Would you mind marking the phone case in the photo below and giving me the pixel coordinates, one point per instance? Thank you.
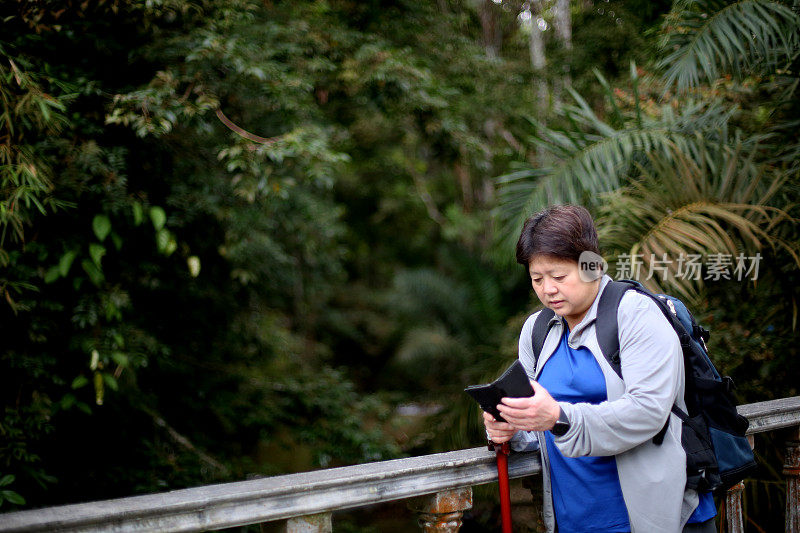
(513, 383)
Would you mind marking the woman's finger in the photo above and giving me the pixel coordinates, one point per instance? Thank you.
(500, 426)
(512, 410)
(518, 403)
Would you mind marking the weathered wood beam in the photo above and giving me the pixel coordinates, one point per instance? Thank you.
(772, 414)
(275, 498)
(323, 491)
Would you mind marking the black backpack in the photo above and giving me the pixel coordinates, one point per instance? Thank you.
(718, 454)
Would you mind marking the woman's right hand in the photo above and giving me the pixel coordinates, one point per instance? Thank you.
(499, 432)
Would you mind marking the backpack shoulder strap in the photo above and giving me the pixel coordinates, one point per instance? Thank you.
(607, 329)
(541, 327)
(606, 323)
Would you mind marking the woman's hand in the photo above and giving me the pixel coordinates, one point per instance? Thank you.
(499, 432)
(535, 413)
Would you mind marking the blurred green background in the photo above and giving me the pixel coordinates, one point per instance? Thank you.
(251, 237)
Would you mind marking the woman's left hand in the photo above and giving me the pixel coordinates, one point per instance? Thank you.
(535, 413)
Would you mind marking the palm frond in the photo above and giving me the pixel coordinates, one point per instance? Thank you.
(719, 203)
(705, 38)
(595, 157)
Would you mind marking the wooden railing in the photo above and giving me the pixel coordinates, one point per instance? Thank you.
(438, 487)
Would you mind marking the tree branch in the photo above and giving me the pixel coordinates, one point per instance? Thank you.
(185, 443)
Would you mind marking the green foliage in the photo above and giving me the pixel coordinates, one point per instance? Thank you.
(704, 39)
(29, 115)
(715, 201)
(237, 234)
(7, 495)
(283, 147)
(592, 155)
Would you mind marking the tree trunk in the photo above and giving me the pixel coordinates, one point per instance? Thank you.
(538, 58)
(490, 23)
(563, 27)
(564, 23)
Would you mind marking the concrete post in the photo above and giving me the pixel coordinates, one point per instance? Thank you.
(733, 508)
(312, 523)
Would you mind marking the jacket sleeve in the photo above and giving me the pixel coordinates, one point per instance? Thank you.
(652, 369)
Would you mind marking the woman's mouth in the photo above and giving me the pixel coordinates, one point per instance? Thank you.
(556, 303)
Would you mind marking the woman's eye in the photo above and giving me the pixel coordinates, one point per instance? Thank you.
(537, 280)
(559, 278)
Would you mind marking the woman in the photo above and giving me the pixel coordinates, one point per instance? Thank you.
(600, 467)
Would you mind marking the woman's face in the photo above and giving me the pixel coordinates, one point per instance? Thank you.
(559, 286)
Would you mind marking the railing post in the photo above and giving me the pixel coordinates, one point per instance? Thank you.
(791, 469)
(312, 523)
(442, 512)
(733, 508)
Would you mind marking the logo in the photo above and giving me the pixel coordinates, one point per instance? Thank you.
(591, 266)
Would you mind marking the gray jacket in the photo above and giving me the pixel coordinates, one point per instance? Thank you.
(652, 477)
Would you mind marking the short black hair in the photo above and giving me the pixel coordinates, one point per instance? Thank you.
(563, 231)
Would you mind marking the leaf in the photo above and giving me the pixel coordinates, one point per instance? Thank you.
(117, 241)
(65, 263)
(80, 381)
(138, 214)
(171, 246)
(52, 274)
(158, 217)
(97, 251)
(13, 497)
(67, 401)
(119, 339)
(120, 358)
(101, 226)
(94, 273)
(45, 112)
(194, 265)
(8, 479)
(111, 382)
(162, 239)
(165, 241)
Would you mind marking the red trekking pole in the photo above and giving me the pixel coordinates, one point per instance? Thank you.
(502, 451)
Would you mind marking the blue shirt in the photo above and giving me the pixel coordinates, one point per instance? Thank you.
(706, 510)
(586, 492)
